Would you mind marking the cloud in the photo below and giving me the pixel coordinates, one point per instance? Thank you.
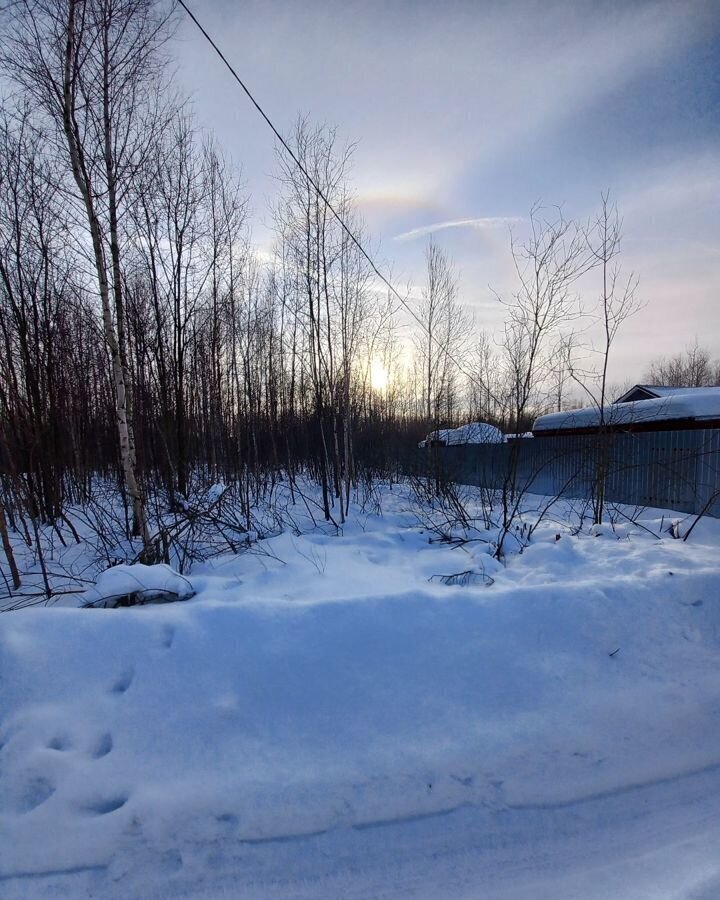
(490, 106)
(481, 224)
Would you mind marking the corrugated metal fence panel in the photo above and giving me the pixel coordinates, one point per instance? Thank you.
(708, 470)
(667, 469)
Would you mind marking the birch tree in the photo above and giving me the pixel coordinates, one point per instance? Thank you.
(93, 66)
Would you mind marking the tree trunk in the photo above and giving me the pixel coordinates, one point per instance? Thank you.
(84, 186)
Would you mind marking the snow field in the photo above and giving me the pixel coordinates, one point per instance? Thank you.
(320, 715)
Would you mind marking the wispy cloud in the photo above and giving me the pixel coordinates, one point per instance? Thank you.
(482, 224)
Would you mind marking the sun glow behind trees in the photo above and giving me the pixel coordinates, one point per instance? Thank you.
(379, 376)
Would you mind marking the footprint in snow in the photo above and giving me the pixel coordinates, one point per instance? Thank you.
(123, 682)
(59, 743)
(103, 746)
(104, 806)
(36, 791)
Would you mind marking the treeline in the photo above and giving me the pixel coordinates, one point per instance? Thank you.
(143, 339)
(146, 342)
(692, 367)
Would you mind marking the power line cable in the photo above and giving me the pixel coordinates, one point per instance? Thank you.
(323, 197)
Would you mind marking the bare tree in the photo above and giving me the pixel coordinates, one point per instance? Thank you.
(444, 336)
(693, 367)
(617, 302)
(328, 277)
(618, 299)
(547, 265)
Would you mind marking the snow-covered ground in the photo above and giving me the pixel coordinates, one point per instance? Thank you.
(321, 720)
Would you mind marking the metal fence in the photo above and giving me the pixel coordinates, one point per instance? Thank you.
(668, 469)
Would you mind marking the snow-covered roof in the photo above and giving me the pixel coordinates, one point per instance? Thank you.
(689, 403)
(472, 433)
(664, 390)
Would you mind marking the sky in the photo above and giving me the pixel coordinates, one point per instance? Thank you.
(465, 114)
